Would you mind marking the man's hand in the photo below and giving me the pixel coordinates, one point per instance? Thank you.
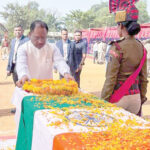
(79, 68)
(68, 77)
(8, 73)
(20, 82)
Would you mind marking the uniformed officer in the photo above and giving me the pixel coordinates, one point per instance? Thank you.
(125, 56)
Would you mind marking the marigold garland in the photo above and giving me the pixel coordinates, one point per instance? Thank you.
(53, 87)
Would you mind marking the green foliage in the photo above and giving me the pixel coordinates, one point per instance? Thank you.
(97, 16)
(103, 17)
(79, 20)
(15, 14)
(143, 14)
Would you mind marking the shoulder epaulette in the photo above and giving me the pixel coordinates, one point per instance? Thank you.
(110, 42)
(139, 41)
(119, 40)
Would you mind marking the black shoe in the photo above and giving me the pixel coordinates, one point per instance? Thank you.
(13, 110)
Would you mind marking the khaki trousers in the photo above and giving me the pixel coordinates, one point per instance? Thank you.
(131, 103)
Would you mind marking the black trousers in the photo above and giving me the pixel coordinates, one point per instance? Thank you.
(77, 77)
(14, 74)
(95, 56)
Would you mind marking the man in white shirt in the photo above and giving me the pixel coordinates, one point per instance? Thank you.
(36, 57)
(100, 52)
(95, 52)
(67, 49)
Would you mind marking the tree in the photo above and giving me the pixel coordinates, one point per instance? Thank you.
(97, 16)
(78, 19)
(15, 14)
(103, 17)
(143, 14)
(51, 20)
(74, 20)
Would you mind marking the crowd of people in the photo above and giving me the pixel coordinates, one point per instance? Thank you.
(34, 57)
(66, 47)
(58, 56)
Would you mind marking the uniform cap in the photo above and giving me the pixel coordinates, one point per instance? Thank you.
(125, 10)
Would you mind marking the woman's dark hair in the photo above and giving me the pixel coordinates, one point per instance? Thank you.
(132, 27)
(40, 23)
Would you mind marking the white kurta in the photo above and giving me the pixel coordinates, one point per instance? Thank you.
(38, 63)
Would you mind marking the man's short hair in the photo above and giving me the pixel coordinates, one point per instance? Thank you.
(79, 31)
(19, 26)
(40, 23)
(64, 29)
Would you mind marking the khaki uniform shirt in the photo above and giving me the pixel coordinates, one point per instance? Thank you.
(120, 69)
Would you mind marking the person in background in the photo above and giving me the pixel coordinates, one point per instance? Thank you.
(103, 52)
(80, 54)
(107, 54)
(95, 52)
(15, 44)
(147, 46)
(108, 49)
(67, 49)
(37, 57)
(5, 46)
(126, 74)
(100, 52)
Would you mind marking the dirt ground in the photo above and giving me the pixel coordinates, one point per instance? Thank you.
(92, 79)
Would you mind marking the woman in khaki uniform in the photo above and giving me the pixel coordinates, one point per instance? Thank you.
(123, 85)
